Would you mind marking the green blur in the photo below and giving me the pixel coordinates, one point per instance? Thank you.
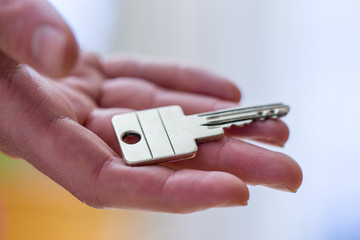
(6, 163)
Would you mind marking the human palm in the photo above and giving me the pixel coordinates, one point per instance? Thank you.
(63, 128)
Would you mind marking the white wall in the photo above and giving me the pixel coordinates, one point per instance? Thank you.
(304, 53)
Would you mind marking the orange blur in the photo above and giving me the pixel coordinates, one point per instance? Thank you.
(34, 207)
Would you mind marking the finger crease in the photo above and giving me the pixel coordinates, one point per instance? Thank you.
(219, 154)
(165, 182)
(154, 96)
(96, 175)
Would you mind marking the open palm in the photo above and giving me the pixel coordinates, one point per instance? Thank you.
(63, 128)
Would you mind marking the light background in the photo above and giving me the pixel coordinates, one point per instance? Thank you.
(304, 53)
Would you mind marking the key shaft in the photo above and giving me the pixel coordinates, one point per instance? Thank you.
(242, 116)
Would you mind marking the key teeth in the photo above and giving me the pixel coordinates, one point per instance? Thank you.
(234, 124)
(238, 124)
(242, 124)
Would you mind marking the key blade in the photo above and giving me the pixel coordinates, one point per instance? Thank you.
(235, 110)
(243, 116)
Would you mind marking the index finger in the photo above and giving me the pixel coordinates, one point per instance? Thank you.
(173, 76)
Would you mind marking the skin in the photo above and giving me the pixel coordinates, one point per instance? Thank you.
(59, 121)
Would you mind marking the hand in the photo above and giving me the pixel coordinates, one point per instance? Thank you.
(63, 127)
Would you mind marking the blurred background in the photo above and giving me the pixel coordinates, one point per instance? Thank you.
(304, 53)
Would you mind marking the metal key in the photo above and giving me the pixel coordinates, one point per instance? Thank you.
(166, 134)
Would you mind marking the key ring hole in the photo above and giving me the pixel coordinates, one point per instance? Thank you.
(131, 137)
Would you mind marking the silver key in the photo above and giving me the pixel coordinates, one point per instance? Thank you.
(166, 134)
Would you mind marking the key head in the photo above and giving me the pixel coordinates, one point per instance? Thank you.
(142, 137)
(159, 135)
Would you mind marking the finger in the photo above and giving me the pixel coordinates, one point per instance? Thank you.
(172, 76)
(271, 131)
(86, 76)
(139, 94)
(32, 32)
(157, 188)
(253, 164)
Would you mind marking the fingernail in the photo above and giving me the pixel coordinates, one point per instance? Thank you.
(234, 204)
(48, 48)
(269, 141)
(283, 188)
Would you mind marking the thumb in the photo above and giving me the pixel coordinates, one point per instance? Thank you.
(32, 32)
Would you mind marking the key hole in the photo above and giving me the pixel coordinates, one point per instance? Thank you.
(131, 137)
